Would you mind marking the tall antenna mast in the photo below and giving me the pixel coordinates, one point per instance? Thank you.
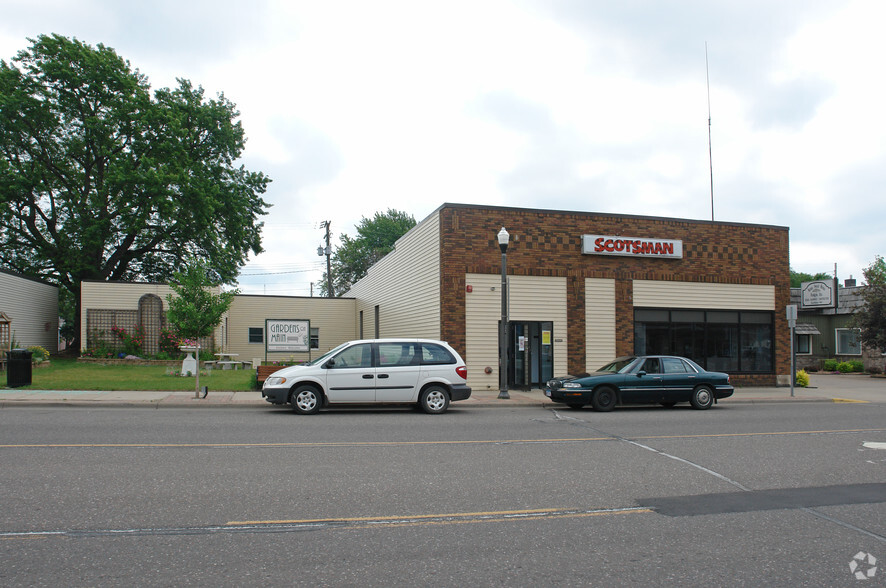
(710, 150)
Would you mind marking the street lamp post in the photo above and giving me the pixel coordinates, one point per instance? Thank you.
(503, 325)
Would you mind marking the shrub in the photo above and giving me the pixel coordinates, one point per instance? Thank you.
(875, 370)
(169, 343)
(830, 365)
(845, 367)
(132, 342)
(38, 353)
(856, 364)
(802, 379)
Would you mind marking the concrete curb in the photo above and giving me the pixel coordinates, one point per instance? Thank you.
(166, 404)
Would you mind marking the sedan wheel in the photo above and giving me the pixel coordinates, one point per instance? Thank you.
(702, 398)
(306, 400)
(434, 400)
(604, 399)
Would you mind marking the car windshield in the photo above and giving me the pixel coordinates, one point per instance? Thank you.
(327, 355)
(618, 366)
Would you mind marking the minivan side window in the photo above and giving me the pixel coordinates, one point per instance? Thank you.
(356, 356)
(398, 354)
(435, 355)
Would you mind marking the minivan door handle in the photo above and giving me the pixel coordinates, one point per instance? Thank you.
(383, 376)
(367, 376)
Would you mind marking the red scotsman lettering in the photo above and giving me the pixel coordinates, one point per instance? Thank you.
(635, 247)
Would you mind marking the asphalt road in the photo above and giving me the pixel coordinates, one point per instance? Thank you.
(750, 494)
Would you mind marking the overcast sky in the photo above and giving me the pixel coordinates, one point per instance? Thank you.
(354, 107)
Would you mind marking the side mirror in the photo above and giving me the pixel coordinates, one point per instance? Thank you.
(329, 364)
(641, 373)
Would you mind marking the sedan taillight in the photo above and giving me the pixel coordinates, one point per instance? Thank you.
(462, 371)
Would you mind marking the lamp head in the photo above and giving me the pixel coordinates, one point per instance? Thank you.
(503, 238)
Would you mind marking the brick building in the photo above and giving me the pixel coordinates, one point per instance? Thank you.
(584, 288)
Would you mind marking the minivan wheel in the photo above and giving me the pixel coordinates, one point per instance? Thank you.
(306, 400)
(702, 398)
(434, 400)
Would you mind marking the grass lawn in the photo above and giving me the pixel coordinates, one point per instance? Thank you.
(69, 374)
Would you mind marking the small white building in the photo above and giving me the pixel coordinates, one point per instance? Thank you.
(31, 309)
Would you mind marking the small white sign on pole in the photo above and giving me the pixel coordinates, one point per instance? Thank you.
(792, 315)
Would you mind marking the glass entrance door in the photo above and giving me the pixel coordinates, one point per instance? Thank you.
(530, 353)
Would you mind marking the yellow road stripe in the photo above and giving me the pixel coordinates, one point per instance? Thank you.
(449, 518)
(392, 518)
(410, 443)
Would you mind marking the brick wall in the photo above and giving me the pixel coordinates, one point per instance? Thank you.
(548, 243)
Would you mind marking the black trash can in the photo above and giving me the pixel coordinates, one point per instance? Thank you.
(18, 370)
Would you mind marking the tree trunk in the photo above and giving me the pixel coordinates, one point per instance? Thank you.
(197, 374)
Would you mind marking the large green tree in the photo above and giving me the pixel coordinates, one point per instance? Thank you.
(375, 239)
(871, 318)
(797, 278)
(101, 180)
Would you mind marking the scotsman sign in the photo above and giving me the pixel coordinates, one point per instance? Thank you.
(631, 246)
(288, 335)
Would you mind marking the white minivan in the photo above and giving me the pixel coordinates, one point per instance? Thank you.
(419, 371)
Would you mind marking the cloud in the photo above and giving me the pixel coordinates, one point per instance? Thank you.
(355, 107)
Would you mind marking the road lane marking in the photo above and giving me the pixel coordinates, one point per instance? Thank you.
(334, 444)
(283, 526)
(502, 515)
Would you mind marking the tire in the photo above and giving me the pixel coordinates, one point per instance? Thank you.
(604, 399)
(434, 400)
(576, 405)
(306, 400)
(702, 398)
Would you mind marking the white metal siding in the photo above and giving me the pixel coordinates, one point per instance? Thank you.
(666, 294)
(599, 322)
(122, 296)
(530, 298)
(405, 285)
(334, 317)
(32, 308)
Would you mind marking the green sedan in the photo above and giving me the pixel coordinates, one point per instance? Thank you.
(642, 379)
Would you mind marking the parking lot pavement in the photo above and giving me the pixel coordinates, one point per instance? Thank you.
(823, 388)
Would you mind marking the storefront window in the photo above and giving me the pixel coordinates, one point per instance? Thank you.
(848, 342)
(688, 331)
(804, 344)
(728, 341)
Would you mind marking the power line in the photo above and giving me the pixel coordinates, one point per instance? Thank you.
(302, 271)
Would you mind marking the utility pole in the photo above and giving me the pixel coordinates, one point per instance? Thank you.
(328, 253)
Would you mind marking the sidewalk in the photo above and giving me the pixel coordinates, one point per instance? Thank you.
(823, 388)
